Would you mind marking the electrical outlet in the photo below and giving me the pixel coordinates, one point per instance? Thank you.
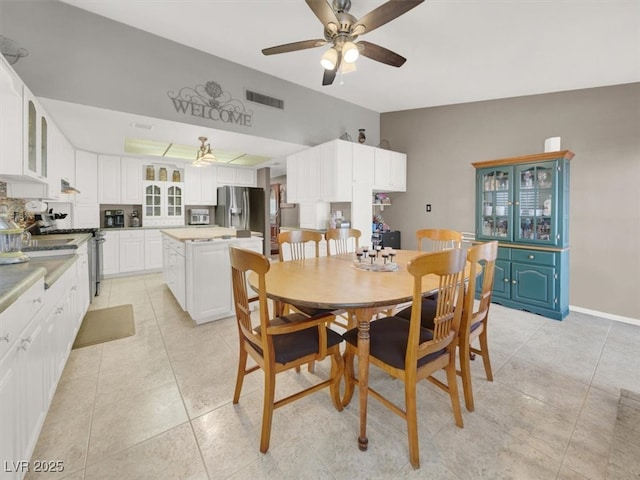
(428, 207)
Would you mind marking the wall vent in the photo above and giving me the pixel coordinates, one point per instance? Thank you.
(264, 99)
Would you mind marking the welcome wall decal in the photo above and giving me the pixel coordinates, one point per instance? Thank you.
(211, 102)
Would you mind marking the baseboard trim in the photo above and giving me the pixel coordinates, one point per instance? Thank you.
(609, 316)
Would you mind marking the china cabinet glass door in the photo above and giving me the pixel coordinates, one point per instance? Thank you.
(496, 203)
(535, 199)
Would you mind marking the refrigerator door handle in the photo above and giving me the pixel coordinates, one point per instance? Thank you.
(247, 212)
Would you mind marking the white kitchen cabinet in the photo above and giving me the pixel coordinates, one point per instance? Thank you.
(111, 253)
(209, 293)
(153, 252)
(314, 215)
(130, 181)
(9, 406)
(131, 251)
(200, 185)
(108, 179)
(363, 159)
(86, 216)
(36, 142)
(11, 133)
(245, 177)
(390, 171)
(293, 171)
(163, 204)
(336, 171)
(86, 167)
(175, 269)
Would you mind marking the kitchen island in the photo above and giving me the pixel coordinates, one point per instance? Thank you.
(197, 270)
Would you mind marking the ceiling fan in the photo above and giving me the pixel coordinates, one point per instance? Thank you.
(341, 29)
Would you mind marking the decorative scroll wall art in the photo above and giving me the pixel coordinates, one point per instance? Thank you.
(211, 102)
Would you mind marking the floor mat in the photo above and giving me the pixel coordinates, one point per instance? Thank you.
(104, 325)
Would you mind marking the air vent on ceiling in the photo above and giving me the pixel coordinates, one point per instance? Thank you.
(264, 99)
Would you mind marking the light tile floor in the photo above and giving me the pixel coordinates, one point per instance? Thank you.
(158, 405)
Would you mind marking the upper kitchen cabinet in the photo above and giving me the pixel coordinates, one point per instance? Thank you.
(163, 203)
(200, 185)
(36, 145)
(11, 133)
(336, 171)
(244, 177)
(390, 171)
(120, 180)
(61, 162)
(108, 179)
(86, 178)
(131, 180)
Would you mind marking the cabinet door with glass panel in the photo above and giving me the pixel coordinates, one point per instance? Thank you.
(495, 203)
(163, 204)
(535, 219)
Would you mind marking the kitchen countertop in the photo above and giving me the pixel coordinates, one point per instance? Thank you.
(186, 234)
(17, 279)
(156, 227)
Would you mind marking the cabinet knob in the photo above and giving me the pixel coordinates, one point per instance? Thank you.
(516, 203)
(5, 338)
(59, 310)
(513, 281)
(531, 257)
(25, 343)
(37, 300)
(506, 280)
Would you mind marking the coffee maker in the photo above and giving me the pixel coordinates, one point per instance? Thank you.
(114, 219)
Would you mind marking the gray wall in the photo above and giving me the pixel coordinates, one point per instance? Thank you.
(79, 57)
(601, 126)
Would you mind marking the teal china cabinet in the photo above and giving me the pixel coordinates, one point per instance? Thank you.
(523, 202)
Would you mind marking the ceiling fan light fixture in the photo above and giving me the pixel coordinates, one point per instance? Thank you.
(329, 59)
(350, 52)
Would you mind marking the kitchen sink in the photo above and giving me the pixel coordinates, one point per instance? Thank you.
(48, 242)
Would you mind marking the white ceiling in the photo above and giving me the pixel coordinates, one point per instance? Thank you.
(458, 50)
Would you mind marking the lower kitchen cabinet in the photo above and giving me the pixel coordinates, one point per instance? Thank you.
(152, 249)
(36, 335)
(175, 269)
(533, 280)
(131, 251)
(111, 253)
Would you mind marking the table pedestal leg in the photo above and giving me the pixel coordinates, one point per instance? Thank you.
(363, 317)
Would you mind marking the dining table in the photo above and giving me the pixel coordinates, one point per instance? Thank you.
(338, 282)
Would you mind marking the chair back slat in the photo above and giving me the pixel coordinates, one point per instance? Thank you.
(438, 239)
(296, 242)
(342, 240)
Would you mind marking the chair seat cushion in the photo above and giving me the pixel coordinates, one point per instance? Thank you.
(388, 341)
(427, 314)
(291, 346)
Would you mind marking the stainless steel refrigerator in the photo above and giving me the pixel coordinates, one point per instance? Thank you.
(242, 208)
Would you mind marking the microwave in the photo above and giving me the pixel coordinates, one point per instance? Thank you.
(199, 216)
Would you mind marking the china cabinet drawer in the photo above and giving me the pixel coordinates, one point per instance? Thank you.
(533, 256)
(504, 253)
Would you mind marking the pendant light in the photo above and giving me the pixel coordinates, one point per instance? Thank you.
(205, 156)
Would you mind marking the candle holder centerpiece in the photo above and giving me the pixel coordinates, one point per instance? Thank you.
(376, 259)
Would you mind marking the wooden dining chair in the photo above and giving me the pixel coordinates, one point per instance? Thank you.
(296, 242)
(438, 239)
(406, 351)
(475, 315)
(278, 344)
(342, 240)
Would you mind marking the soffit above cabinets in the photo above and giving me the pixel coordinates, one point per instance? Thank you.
(139, 146)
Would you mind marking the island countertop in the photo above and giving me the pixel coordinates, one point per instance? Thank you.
(187, 234)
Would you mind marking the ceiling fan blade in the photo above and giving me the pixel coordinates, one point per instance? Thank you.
(330, 75)
(383, 14)
(323, 11)
(292, 47)
(381, 54)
